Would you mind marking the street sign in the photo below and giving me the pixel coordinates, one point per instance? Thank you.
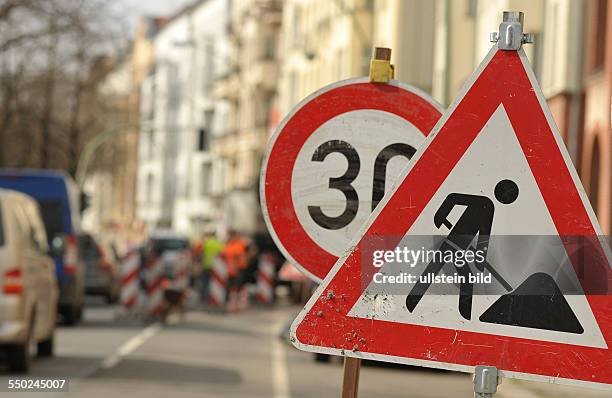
(494, 176)
(331, 161)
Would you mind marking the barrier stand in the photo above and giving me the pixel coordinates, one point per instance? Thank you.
(183, 271)
(129, 281)
(217, 295)
(154, 270)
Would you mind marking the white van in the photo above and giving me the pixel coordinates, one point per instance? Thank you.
(29, 294)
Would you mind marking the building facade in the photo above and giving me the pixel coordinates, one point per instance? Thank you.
(571, 59)
(112, 188)
(407, 27)
(179, 117)
(249, 88)
(596, 139)
(322, 42)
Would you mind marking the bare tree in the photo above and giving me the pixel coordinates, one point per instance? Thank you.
(52, 56)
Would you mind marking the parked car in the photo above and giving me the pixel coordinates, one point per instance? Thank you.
(29, 295)
(101, 268)
(58, 198)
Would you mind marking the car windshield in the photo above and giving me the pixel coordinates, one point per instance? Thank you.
(51, 212)
(162, 245)
(88, 248)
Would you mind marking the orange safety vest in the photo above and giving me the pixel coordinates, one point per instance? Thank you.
(235, 254)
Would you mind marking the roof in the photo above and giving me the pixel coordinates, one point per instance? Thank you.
(47, 173)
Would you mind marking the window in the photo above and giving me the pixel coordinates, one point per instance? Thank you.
(151, 140)
(366, 54)
(270, 48)
(209, 67)
(206, 179)
(471, 8)
(599, 41)
(51, 212)
(149, 189)
(202, 140)
(594, 176)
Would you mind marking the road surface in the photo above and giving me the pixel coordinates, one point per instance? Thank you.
(214, 355)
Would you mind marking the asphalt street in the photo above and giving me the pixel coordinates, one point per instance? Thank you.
(213, 355)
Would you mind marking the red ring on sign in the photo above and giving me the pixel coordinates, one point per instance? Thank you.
(297, 128)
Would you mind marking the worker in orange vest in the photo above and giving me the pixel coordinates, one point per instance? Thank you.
(235, 254)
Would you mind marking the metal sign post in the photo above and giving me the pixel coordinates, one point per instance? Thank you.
(381, 71)
(509, 38)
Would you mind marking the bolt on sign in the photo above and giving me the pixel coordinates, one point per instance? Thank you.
(331, 161)
(486, 253)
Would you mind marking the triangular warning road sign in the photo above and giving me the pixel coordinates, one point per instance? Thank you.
(495, 160)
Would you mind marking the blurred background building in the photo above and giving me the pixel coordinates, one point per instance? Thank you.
(179, 119)
(280, 52)
(322, 42)
(250, 88)
(188, 104)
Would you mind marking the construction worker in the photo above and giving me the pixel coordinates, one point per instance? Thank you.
(236, 257)
(211, 248)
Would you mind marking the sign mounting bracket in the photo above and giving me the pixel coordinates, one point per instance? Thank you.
(486, 380)
(510, 36)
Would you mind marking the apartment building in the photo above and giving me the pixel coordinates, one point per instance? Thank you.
(461, 39)
(571, 60)
(179, 119)
(407, 27)
(322, 41)
(249, 88)
(112, 189)
(595, 140)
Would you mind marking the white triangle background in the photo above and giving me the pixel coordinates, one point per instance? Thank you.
(494, 155)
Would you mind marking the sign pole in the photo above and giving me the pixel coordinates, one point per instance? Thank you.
(509, 38)
(381, 71)
(350, 380)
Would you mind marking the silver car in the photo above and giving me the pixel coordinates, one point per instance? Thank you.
(29, 295)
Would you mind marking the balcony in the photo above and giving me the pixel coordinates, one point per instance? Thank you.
(227, 88)
(265, 74)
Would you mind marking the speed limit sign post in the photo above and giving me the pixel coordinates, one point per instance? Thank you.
(331, 161)
(381, 71)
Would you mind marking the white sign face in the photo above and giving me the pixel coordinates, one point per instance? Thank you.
(495, 155)
(367, 149)
(331, 161)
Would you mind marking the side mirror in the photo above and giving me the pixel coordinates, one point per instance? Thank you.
(58, 246)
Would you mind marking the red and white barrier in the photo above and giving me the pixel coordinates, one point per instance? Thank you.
(265, 279)
(218, 283)
(181, 276)
(155, 295)
(129, 280)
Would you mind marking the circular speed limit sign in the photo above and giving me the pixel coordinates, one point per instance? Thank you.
(331, 161)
